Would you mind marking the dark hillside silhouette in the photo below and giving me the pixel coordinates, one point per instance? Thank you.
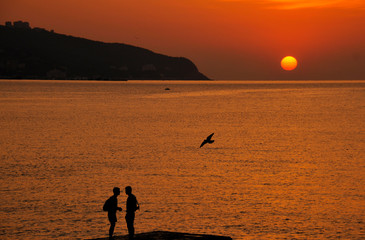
(40, 54)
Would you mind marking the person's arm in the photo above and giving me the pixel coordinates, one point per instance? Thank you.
(118, 208)
(137, 205)
(116, 205)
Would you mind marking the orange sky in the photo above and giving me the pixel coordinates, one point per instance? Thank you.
(226, 39)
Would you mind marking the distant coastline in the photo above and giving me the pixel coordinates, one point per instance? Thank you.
(36, 53)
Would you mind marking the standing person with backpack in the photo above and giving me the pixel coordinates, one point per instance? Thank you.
(132, 206)
(111, 206)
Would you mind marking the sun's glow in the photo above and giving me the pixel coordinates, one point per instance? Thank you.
(289, 63)
(297, 4)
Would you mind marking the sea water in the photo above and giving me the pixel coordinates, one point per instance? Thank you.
(287, 160)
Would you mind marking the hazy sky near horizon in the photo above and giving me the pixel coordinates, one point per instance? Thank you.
(226, 39)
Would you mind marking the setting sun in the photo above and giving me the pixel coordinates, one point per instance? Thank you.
(289, 63)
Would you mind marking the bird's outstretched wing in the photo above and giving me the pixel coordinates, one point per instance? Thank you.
(207, 140)
(209, 137)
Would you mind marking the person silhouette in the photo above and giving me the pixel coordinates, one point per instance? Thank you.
(132, 206)
(111, 205)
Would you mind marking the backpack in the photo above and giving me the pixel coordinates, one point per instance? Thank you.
(106, 206)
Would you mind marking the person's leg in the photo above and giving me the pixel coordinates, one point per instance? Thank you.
(130, 225)
(111, 229)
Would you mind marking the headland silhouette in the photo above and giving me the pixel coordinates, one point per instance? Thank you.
(36, 53)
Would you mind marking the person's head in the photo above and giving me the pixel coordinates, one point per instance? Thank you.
(116, 191)
(128, 190)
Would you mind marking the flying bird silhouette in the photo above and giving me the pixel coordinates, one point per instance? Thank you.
(207, 140)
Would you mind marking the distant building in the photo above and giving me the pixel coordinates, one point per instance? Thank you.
(56, 74)
(37, 29)
(21, 24)
(148, 68)
(123, 68)
(24, 25)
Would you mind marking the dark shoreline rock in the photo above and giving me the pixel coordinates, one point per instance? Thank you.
(164, 235)
(27, 53)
